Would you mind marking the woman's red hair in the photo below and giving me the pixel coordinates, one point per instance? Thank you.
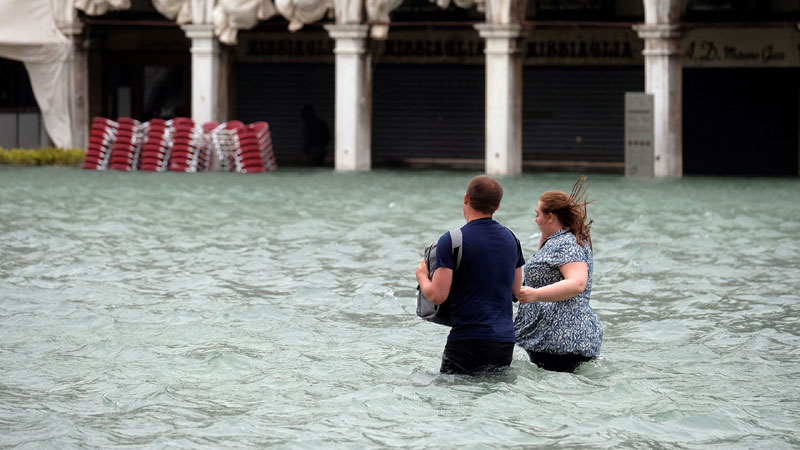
(570, 210)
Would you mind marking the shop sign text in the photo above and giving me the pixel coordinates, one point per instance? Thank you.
(760, 47)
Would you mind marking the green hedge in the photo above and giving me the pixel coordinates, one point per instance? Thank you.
(41, 157)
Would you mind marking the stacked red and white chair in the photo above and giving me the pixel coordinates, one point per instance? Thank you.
(244, 148)
(254, 144)
(125, 150)
(225, 145)
(205, 157)
(102, 135)
(158, 145)
(264, 139)
(235, 144)
(181, 145)
(186, 145)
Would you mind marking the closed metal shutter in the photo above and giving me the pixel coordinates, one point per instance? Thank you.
(740, 121)
(576, 113)
(438, 111)
(428, 111)
(276, 93)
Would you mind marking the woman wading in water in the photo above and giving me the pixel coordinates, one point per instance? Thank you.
(555, 323)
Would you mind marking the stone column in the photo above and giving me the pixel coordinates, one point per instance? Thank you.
(78, 72)
(353, 128)
(205, 72)
(503, 98)
(663, 78)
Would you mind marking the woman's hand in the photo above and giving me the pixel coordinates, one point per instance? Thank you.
(527, 295)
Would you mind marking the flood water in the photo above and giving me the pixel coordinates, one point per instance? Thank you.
(168, 310)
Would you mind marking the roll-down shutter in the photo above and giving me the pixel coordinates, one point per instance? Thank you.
(428, 111)
(740, 121)
(576, 113)
(276, 93)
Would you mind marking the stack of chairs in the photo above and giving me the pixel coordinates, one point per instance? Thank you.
(213, 143)
(234, 148)
(225, 145)
(102, 135)
(264, 139)
(125, 150)
(186, 145)
(205, 158)
(157, 147)
(180, 145)
(249, 147)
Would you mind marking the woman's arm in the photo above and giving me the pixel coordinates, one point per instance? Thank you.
(438, 289)
(576, 275)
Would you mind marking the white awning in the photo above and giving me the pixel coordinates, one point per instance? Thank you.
(28, 33)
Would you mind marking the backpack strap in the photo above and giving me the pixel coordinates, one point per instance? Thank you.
(457, 240)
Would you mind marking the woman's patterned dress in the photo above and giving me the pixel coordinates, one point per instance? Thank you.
(568, 326)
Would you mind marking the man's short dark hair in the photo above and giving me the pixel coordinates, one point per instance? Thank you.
(484, 194)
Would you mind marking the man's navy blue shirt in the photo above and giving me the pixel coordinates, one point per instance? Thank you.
(482, 289)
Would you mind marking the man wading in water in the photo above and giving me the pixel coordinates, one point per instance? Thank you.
(482, 289)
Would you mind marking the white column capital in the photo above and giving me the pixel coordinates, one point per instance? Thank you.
(350, 38)
(658, 30)
(499, 31)
(203, 40)
(501, 39)
(198, 31)
(660, 39)
(348, 31)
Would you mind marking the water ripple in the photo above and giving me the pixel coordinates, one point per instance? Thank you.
(214, 310)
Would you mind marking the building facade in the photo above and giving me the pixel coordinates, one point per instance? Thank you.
(501, 85)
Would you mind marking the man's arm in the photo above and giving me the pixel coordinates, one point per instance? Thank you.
(438, 289)
(517, 282)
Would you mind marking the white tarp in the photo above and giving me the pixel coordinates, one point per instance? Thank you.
(100, 7)
(300, 12)
(178, 10)
(28, 33)
(233, 15)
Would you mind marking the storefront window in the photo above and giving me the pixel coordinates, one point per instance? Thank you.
(15, 86)
(163, 91)
(20, 121)
(145, 91)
